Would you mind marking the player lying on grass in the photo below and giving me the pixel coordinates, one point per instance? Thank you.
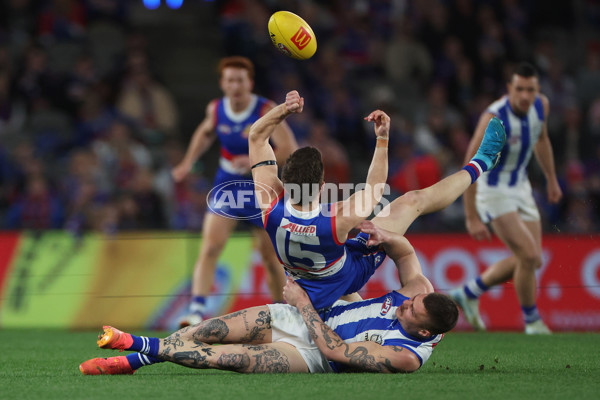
(393, 333)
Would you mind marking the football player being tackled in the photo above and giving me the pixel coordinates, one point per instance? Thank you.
(396, 332)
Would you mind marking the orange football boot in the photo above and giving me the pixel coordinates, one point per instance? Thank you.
(106, 366)
(112, 338)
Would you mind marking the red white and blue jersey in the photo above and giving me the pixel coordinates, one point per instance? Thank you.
(522, 133)
(375, 320)
(307, 246)
(233, 129)
(305, 242)
(232, 183)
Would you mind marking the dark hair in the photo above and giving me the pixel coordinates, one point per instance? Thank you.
(442, 311)
(525, 70)
(236, 62)
(304, 171)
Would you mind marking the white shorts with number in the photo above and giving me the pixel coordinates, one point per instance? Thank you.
(494, 201)
(288, 326)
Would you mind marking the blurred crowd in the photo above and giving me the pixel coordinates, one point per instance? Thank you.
(89, 132)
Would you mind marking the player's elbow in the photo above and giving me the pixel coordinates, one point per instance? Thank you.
(425, 284)
(253, 135)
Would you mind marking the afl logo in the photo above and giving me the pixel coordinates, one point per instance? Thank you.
(224, 129)
(387, 304)
(301, 38)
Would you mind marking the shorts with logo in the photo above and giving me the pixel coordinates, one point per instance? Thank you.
(288, 326)
(233, 197)
(495, 201)
(361, 263)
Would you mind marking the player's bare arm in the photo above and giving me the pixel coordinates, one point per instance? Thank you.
(399, 249)
(283, 141)
(474, 225)
(360, 356)
(545, 157)
(202, 139)
(262, 157)
(361, 204)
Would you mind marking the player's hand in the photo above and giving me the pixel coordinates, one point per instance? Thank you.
(180, 171)
(377, 235)
(382, 123)
(293, 102)
(554, 192)
(477, 229)
(293, 293)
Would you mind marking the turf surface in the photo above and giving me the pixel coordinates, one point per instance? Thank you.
(38, 364)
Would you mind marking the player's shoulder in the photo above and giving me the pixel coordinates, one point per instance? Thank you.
(213, 104)
(545, 101)
(495, 107)
(265, 104)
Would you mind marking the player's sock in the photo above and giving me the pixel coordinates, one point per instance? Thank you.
(475, 168)
(145, 345)
(137, 360)
(530, 313)
(198, 305)
(475, 288)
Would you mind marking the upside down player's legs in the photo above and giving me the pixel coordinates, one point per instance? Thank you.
(400, 214)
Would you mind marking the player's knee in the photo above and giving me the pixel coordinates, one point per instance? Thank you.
(531, 260)
(415, 199)
(211, 250)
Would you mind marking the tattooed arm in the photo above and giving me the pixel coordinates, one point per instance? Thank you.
(360, 356)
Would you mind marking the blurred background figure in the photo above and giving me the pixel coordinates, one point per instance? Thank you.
(70, 70)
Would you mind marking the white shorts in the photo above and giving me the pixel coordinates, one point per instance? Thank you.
(492, 202)
(288, 326)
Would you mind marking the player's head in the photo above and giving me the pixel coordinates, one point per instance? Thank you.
(236, 77)
(428, 314)
(523, 87)
(302, 175)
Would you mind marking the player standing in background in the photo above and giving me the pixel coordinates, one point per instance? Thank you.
(503, 198)
(229, 118)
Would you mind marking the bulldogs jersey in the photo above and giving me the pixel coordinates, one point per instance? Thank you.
(233, 129)
(375, 320)
(231, 182)
(307, 246)
(305, 242)
(522, 133)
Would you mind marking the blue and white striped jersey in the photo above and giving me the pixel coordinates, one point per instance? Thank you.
(375, 320)
(522, 133)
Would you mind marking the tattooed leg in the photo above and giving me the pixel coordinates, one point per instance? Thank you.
(262, 358)
(252, 325)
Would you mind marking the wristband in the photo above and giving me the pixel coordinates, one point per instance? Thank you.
(267, 162)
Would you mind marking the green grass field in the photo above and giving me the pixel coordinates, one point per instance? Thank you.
(37, 364)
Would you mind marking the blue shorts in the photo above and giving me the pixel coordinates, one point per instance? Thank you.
(233, 197)
(361, 263)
